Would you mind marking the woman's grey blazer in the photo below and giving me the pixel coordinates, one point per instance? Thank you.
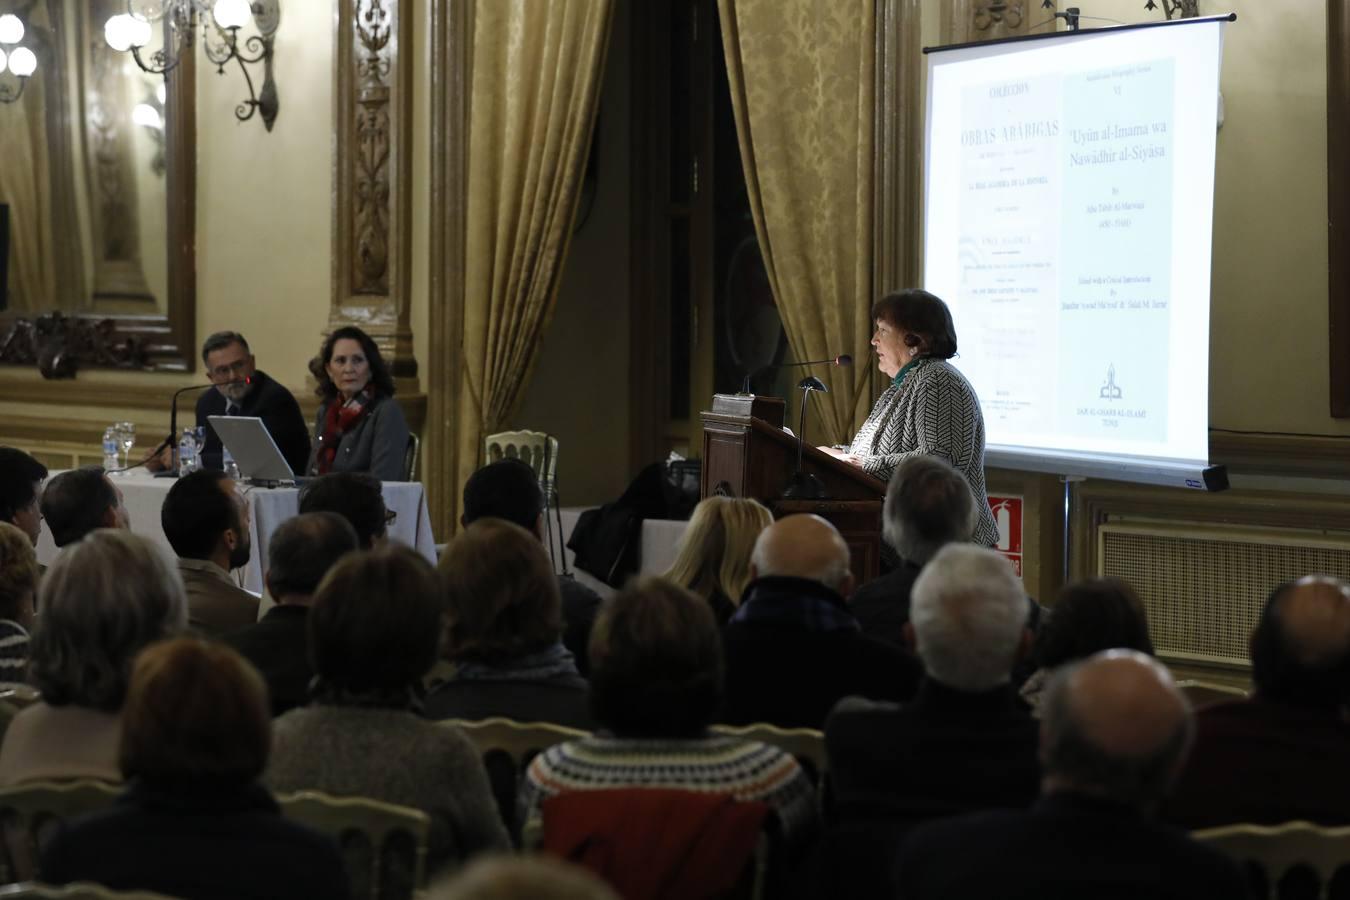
(378, 444)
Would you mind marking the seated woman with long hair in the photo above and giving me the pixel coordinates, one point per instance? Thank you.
(1089, 616)
(656, 683)
(714, 558)
(374, 632)
(104, 599)
(194, 821)
(360, 426)
(503, 634)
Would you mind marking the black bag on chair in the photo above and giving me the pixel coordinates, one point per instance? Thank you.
(608, 541)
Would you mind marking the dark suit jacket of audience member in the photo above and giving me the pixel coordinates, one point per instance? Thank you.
(1263, 762)
(199, 842)
(881, 606)
(1067, 847)
(945, 752)
(562, 700)
(893, 767)
(580, 606)
(277, 646)
(270, 402)
(793, 651)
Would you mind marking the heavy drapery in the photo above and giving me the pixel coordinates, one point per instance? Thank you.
(535, 86)
(802, 89)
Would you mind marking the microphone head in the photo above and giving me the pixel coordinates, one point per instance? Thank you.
(843, 360)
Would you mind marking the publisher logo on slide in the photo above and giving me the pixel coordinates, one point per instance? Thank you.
(1111, 390)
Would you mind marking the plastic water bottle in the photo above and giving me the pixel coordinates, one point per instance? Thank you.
(111, 461)
(187, 453)
(228, 464)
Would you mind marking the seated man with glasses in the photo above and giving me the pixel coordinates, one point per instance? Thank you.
(228, 364)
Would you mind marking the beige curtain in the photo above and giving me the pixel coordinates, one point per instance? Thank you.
(802, 88)
(535, 87)
(25, 185)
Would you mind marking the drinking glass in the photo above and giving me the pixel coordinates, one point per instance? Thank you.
(126, 439)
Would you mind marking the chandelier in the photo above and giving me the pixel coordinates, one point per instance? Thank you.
(220, 21)
(20, 62)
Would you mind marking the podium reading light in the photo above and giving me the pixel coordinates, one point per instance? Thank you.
(804, 485)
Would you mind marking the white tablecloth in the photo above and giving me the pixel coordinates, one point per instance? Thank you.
(144, 494)
(660, 544)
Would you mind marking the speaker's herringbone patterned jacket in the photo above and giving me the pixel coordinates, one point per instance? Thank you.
(933, 411)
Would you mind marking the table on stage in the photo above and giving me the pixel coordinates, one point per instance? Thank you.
(144, 494)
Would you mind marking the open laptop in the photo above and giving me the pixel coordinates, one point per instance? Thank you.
(254, 451)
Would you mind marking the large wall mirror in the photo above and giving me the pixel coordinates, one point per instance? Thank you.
(97, 169)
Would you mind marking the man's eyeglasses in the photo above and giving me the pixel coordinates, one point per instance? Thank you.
(236, 369)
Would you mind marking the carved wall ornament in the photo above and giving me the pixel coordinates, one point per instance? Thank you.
(999, 12)
(58, 344)
(370, 255)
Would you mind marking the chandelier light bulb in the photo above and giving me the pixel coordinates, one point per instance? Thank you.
(22, 62)
(117, 32)
(11, 29)
(161, 93)
(232, 13)
(139, 31)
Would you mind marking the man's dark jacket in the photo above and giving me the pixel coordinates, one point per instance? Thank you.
(793, 651)
(268, 401)
(1067, 847)
(277, 647)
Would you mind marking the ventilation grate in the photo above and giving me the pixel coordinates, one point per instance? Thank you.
(1204, 587)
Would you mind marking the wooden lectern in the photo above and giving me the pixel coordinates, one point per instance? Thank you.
(746, 453)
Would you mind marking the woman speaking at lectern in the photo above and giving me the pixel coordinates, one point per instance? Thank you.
(929, 406)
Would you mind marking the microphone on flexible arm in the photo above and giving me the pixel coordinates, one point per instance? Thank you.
(171, 440)
(842, 359)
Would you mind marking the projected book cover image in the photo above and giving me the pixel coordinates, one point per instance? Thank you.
(1008, 195)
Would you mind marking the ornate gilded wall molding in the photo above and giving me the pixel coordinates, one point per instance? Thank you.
(964, 21)
(58, 344)
(371, 206)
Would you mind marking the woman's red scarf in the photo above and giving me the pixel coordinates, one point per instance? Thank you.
(340, 419)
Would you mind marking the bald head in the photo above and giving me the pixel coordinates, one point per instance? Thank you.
(1115, 725)
(1301, 646)
(803, 546)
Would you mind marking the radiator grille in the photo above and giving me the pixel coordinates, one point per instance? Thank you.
(1203, 587)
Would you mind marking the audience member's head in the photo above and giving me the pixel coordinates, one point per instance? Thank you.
(1089, 616)
(356, 496)
(715, 551)
(18, 575)
(375, 622)
(103, 600)
(76, 502)
(205, 518)
(20, 485)
(507, 489)
(803, 546)
(302, 550)
(196, 714)
(502, 599)
(1115, 726)
(1301, 645)
(656, 662)
(522, 878)
(968, 614)
(928, 505)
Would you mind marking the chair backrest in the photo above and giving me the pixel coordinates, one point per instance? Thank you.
(806, 745)
(536, 449)
(507, 747)
(80, 890)
(383, 845)
(650, 842)
(30, 813)
(410, 457)
(1294, 857)
(1204, 693)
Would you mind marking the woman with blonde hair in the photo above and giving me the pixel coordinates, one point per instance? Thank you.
(714, 558)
